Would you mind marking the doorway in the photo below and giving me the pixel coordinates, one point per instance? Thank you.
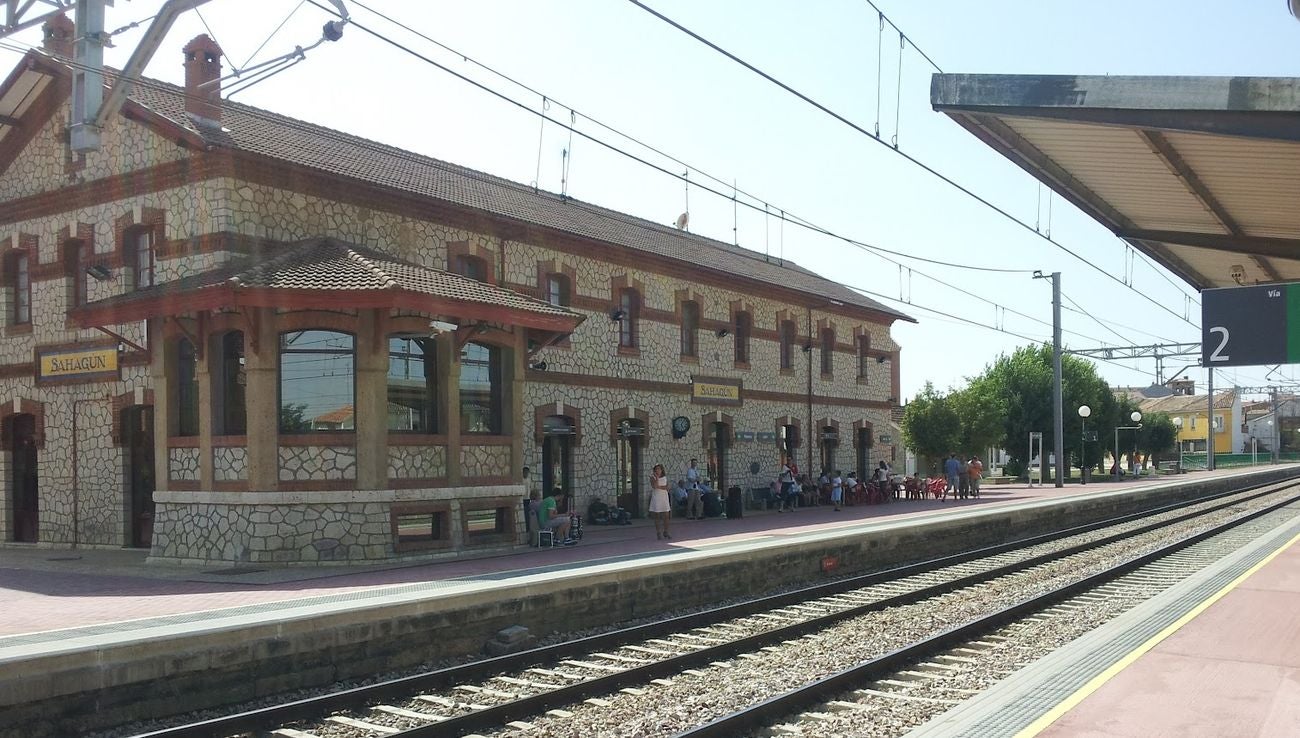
(629, 447)
(830, 443)
(137, 443)
(719, 452)
(863, 443)
(557, 456)
(21, 432)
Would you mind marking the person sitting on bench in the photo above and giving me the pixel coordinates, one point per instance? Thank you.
(549, 520)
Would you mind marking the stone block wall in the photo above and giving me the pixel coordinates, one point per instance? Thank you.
(417, 462)
(317, 463)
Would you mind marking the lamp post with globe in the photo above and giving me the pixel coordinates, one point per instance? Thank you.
(1084, 412)
(1178, 435)
(1136, 417)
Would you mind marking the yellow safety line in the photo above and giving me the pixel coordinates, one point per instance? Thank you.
(1083, 692)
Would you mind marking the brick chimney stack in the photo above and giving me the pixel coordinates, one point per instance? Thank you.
(59, 33)
(202, 65)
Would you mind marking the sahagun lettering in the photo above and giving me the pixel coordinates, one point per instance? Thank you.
(79, 364)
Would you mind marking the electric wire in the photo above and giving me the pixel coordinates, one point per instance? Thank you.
(254, 112)
(267, 40)
(919, 50)
(757, 201)
(917, 162)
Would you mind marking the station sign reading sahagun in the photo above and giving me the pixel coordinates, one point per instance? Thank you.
(76, 365)
(1250, 326)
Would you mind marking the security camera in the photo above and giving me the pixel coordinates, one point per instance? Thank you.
(441, 326)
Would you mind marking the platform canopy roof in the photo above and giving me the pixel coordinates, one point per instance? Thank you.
(1200, 173)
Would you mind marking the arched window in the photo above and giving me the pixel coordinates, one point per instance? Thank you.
(480, 389)
(229, 417)
(187, 389)
(864, 347)
(744, 326)
(470, 266)
(139, 244)
(19, 277)
(412, 384)
(787, 344)
(317, 381)
(828, 351)
(630, 305)
(557, 290)
(690, 328)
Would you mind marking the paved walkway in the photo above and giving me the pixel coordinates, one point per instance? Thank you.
(47, 589)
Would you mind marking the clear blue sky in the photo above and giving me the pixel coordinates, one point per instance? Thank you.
(614, 62)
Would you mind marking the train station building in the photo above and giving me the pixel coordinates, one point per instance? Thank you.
(232, 336)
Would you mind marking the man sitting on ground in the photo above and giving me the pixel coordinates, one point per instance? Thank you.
(549, 520)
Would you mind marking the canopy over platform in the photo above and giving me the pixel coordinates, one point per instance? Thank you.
(1200, 173)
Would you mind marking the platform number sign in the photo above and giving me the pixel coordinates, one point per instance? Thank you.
(1250, 326)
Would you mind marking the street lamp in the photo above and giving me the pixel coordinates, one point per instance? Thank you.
(1136, 417)
(1084, 412)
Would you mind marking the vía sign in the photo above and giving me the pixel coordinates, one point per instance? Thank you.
(76, 365)
(715, 391)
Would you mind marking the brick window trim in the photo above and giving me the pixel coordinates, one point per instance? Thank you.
(421, 508)
(513, 509)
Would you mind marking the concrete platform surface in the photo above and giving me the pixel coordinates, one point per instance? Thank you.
(1233, 669)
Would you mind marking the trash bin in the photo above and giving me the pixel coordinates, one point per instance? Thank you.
(735, 503)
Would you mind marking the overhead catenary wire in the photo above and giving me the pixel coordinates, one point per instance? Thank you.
(915, 161)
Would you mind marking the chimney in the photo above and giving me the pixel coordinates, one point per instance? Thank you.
(59, 32)
(203, 65)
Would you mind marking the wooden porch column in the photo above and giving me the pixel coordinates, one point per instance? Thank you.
(449, 385)
(162, 365)
(262, 397)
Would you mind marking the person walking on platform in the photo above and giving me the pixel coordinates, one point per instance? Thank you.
(660, 507)
(694, 495)
(837, 490)
(786, 495)
(951, 470)
(975, 470)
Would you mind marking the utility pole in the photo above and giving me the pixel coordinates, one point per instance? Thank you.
(1209, 432)
(1058, 410)
(1277, 427)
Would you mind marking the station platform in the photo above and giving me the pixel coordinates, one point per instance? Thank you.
(1217, 655)
(131, 638)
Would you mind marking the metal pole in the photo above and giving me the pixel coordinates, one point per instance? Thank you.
(1277, 428)
(1058, 412)
(1209, 432)
(1083, 448)
(1116, 467)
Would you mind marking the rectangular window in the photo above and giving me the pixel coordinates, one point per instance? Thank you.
(470, 266)
(828, 351)
(557, 290)
(864, 345)
(187, 389)
(412, 384)
(787, 345)
(742, 330)
(317, 381)
(1218, 423)
(22, 286)
(141, 243)
(77, 254)
(630, 306)
(690, 328)
(484, 523)
(1193, 421)
(420, 526)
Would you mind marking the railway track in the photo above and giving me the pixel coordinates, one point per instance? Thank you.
(642, 663)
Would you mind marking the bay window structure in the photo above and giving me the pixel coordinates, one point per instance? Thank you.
(186, 380)
(229, 415)
(480, 389)
(412, 384)
(317, 381)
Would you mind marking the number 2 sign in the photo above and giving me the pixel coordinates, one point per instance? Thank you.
(1249, 326)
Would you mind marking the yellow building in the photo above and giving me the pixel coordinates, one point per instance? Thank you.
(1189, 413)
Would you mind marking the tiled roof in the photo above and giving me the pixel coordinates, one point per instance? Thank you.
(330, 265)
(1188, 403)
(282, 138)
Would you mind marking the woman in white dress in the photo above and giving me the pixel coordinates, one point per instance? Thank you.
(660, 506)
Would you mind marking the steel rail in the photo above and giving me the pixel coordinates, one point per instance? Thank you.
(751, 718)
(404, 687)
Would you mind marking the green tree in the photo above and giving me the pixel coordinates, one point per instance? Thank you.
(931, 427)
(1158, 435)
(293, 418)
(981, 414)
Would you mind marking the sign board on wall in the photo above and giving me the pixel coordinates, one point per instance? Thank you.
(82, 364)
(1250, 326)
(715, 391)
(744, 435)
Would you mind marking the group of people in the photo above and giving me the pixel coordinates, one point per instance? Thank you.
(792, 488)
(962, 477)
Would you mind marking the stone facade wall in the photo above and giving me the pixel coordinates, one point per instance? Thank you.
(230, 463)
(309, 527)
(183, 464)
(484, 461)
(317, 463)
(417, 462)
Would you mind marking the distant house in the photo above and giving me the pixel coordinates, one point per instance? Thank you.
(1189, 413)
